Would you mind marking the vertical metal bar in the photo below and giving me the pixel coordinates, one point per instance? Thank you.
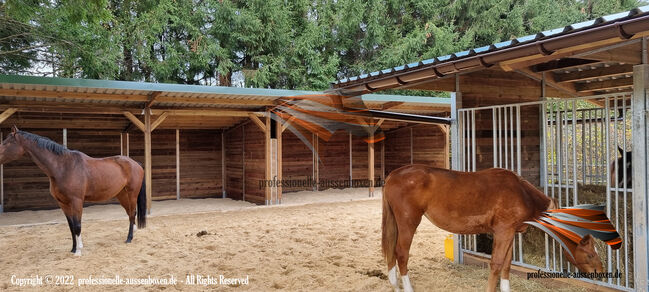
(608, 184)
(506, 136)
(565, 152)
(500, 135)
(456, 103)
(617, 218)
(574, 152)
(583, 146)
(494, 135)
(544, 163)
(626, 226)
(518, 139)
(511, 138)
(639, 149)
(473, 141)
(65, 137)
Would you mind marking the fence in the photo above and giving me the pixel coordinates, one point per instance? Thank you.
(579, 151)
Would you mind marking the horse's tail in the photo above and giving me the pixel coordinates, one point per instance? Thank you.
(141, 206)
(389, 231)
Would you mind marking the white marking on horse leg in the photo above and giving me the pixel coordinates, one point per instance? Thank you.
(504, 285)
(392, 276)
(134, 227)
(78, 252)
(79, 242)
(405, 281)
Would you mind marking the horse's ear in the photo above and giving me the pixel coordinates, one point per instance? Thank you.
(586, 240)
(14, 129)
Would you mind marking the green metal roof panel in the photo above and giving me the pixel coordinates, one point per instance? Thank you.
(524, 39)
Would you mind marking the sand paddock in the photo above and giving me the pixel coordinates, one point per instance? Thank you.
(329, 242)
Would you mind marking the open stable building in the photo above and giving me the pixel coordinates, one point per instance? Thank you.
(554, 107)
(202, 141)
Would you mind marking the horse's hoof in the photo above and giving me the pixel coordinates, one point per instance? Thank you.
(78, 253)
(128, 241)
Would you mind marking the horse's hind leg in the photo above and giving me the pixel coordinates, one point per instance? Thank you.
(129, 206)
(501, 251)
(406, 231)
(504, 276)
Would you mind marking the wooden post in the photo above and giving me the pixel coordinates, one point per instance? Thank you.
(278, 131)
(147, 157)
(268, 160)
(370, 163)
(412, 158)
(243, 162)
(124, 144)
(316, 161)
(351, 177)
(223, 180)
(383, 160)
(177, 164)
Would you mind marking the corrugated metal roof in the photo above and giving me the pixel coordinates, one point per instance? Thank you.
(507, 44)
(139, 91)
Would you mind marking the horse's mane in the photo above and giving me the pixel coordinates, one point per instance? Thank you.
(45, 143)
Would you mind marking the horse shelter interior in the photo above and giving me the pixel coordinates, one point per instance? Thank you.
(201, 141)
(554, 107)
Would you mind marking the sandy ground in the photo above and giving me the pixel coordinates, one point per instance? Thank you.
(322, 246)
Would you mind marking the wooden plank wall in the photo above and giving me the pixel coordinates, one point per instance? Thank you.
(200, 164)
(427, 147)
(526, 90)
(334, 160)
(296, 161)
(255, 155)
(234, 162)
(27, 187)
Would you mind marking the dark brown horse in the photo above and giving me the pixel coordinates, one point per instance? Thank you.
(617, 173)
(75, 178)
(490, 201)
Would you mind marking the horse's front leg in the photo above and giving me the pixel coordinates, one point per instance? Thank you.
(501, 249)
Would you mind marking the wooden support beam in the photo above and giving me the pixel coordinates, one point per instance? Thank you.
(258, 122)
(6, 114)
(278, 131)
(593, 74)
(619, 55)
(152, 98)
(383, 160)
(267, 158)
(243, 162)
(124, 144)
(135, 121)
(603, 85)
(147, 157)
(206, 112)
(447, 160)
(370, 164)
(351, 176)
(378, 124)
(159, 120)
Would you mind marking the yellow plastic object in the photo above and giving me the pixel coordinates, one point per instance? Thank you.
(448, 247)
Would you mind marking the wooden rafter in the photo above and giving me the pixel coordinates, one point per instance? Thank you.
(604, 85)
(561, 64)
(391, 104)
(152, 98)
(594, 73)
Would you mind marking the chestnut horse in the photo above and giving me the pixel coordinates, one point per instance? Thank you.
(75, 178)
(490, 201)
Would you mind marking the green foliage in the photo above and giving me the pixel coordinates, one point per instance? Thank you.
(296, 44)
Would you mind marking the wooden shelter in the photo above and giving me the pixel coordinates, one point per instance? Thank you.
(201, 141)
(595, 59)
